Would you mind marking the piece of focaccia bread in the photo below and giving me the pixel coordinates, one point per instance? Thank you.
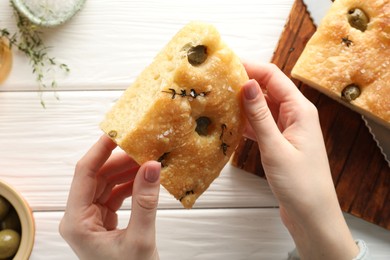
(348, 57)
(183, 110)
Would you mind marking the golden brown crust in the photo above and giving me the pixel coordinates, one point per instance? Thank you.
(339, 54)
(155, 119)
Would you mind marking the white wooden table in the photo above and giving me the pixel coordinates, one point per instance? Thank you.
(106, 46)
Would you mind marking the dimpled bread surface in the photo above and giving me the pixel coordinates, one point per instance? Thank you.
(341, 54)
(185, 115)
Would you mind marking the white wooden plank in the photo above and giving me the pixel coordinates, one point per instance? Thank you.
(211, 234)
(40, 147)
(109, 42)
(190, 234)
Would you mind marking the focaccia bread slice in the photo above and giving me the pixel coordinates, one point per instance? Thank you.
(183, 110)
(348, 57)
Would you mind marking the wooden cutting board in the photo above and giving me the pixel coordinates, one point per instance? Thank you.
(359, 170)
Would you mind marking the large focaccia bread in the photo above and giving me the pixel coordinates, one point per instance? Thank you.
(350, 51)
(184, 111)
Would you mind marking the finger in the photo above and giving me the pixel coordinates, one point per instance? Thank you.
(145, 200)
(259, 116)
(119, 194)
(83, 187)
(117, 164)
(111, 220)
(249, 132)
(114, 201)
(109, 187)
(288, 105)
(279, 87)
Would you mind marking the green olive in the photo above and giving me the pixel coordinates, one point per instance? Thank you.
(9, 243)
(358, 19)
(112, 133)
(197, 55)
(162, 159)
(11, 221)
(4, 207)
(202, 125)
(351, 92)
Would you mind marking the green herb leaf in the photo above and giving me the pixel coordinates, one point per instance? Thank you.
(28, 40)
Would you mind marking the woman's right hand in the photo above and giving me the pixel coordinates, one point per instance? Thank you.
(286, 126)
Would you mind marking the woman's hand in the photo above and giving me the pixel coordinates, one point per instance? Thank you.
(100, 185)
(286, 127)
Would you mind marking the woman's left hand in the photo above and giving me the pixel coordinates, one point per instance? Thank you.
(100, 185)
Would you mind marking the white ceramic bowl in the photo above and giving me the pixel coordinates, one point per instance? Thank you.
(48, 13)
(26, 220)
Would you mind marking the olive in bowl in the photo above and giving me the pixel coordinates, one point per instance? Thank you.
(17, 227)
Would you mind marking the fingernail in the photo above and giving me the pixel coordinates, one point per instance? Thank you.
(152, 174)
(251, 90)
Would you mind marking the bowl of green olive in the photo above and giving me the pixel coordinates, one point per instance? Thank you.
(17, 227)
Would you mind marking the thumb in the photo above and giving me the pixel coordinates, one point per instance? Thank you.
(259, 116)
(145, 200)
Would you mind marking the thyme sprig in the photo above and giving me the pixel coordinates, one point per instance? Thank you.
(29, 41)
